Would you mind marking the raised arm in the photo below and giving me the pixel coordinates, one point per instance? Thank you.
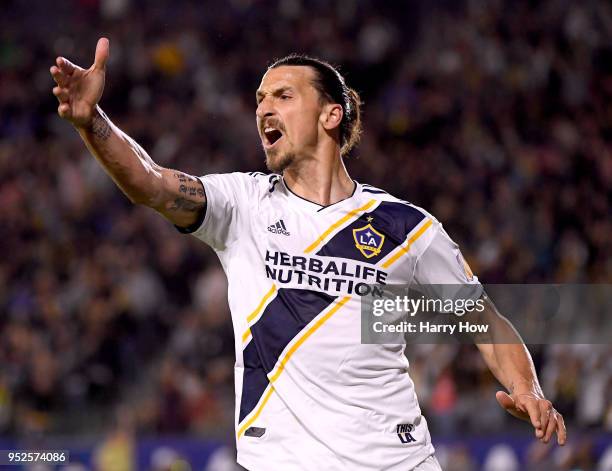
(177, 196)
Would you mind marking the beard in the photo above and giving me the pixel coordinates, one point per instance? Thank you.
(277, 163)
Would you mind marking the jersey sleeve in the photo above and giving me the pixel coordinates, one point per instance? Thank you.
(442, 263)
(442, 272)
(229, 199)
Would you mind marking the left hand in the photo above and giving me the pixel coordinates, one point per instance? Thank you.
(535, 408)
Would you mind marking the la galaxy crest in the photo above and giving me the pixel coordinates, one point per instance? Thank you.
(368, 241)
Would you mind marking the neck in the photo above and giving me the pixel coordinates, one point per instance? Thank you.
(322, 179)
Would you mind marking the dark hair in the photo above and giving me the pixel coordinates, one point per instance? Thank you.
(332, 88)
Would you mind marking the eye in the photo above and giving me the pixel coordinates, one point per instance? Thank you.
(285, 97)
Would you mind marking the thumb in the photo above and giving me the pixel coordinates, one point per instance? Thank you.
(102, 53)
(508, 403)
(505, 400)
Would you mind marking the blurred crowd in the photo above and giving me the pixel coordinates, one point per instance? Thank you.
(495, 116)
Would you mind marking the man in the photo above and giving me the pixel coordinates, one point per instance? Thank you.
(299, 247)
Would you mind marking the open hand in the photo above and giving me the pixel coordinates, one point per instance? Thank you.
(79, 90)
(536, 409)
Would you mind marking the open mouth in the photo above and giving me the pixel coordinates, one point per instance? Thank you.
(271, 136)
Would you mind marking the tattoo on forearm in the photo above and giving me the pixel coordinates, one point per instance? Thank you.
(100, 127)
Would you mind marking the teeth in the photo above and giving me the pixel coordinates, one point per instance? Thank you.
(268, 129)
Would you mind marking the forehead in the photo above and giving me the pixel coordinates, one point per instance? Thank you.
(298, 77)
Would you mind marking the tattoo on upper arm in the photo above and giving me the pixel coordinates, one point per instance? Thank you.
(189, 186)
(100, 127)
(182, 204)
(181, 177)
(194, 196)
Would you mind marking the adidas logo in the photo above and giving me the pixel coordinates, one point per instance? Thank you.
(278, 228)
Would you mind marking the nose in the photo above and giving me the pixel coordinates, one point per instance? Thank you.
(264, 108)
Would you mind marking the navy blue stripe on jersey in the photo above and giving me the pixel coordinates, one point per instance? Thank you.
(393, 220)
(257, 174)
(254, 380)
(282, 320)
(376, 192)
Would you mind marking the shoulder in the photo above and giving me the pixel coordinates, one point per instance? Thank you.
(265, 180)
(246, 184)
(401, 220)
(395, 207)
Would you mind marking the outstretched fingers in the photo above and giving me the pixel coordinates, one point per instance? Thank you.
(531, 408)
(78, 90)
(537, 410)
(551, 426)
(61, 91)
(546, 416)
(556, 424)
(67, 67)
(61, 94)
(561, 430)
(59, 77)
(64, 110)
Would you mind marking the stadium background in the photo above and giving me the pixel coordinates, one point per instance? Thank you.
(115, 339)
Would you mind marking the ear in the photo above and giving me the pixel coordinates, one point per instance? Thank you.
(331, 116)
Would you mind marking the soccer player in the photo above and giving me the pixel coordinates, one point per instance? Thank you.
(299, 247)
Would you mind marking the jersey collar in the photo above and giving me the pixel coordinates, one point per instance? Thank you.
(315, 207)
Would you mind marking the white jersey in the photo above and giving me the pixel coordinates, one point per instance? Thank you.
(309, 395)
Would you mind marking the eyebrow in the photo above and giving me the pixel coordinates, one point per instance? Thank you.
(279, 91)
